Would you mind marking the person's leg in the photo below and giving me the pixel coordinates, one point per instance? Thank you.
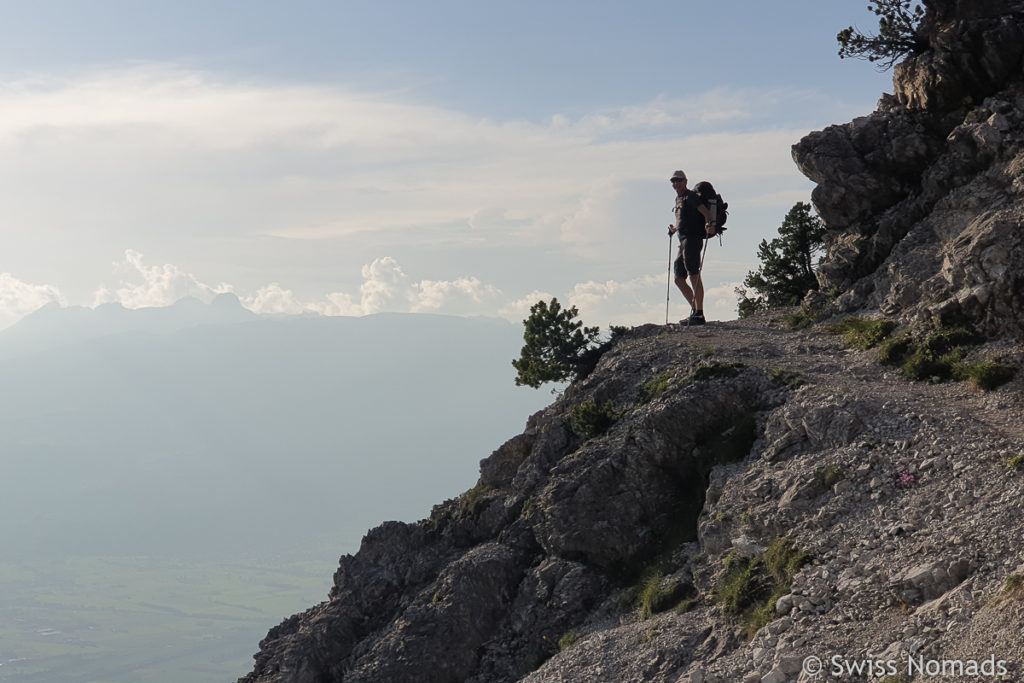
(698, 292)
(680, 273)
(691, 257)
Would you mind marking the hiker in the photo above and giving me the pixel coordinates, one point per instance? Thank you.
(694, 223)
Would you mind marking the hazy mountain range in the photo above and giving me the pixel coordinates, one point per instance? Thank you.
(204, 428)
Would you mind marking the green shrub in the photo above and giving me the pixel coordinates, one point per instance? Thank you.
(894, 350)
(589, 419)
(1016, 463)
(947, 339)
(567, 641)
(618, 331)
(799, 320)
(471, 501)
(862, 333)
(926, 366)
(987, 374)
(656, 387)
(705, 373)
(828, 475)
(940, 356)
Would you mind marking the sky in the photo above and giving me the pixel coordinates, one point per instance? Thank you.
(454, 157)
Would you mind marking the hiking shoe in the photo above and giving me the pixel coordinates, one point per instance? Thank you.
(696, 319)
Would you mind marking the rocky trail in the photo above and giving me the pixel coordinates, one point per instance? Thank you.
(898, 492)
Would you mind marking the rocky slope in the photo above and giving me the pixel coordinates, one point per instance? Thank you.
(727, 438)
(729, 503)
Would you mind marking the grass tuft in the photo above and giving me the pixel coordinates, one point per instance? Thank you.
(862, 333)
(752, 585)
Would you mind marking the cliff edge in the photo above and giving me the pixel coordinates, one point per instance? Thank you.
(604, 542)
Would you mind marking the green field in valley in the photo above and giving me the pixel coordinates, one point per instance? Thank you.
(146, 619)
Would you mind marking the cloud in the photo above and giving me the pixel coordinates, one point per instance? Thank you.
(593, 215)
(519, 309)
(720, 302)
(159, 148)
(275, 300)
(18, 299)
(631, 302)
(384, 283)
(385, 288)
(463, 295)
(160, 285)
(264, 175)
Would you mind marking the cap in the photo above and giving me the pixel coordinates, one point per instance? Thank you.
(678, 175)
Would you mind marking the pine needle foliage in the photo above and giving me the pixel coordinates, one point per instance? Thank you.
(557, 346)
(897, 35)
(787, 264)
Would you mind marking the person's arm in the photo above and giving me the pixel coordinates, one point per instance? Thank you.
(710, 223)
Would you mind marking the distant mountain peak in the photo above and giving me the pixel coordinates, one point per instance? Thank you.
(54, 325)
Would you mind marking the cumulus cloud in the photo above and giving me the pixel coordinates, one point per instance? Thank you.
(384, 284)
(519, 309)
(275, 300)
(18, 298)
(385, 288)
(631, 302)
(154, 286)
(459, 296)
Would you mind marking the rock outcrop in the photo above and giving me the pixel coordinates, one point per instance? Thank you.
(743, 502)
(605, 555)
(924, 198)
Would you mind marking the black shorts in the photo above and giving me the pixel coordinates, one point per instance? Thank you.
(688, 262)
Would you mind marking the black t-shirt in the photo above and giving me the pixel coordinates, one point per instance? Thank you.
(689, 220)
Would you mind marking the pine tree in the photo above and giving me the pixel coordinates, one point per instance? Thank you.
(787, 263)
(557, 347)
(897, 34)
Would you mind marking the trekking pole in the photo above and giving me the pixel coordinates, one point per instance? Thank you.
(668, 283)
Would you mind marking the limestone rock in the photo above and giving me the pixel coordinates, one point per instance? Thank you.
(922, 198)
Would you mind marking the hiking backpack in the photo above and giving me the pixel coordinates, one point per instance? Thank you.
(718, 206)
